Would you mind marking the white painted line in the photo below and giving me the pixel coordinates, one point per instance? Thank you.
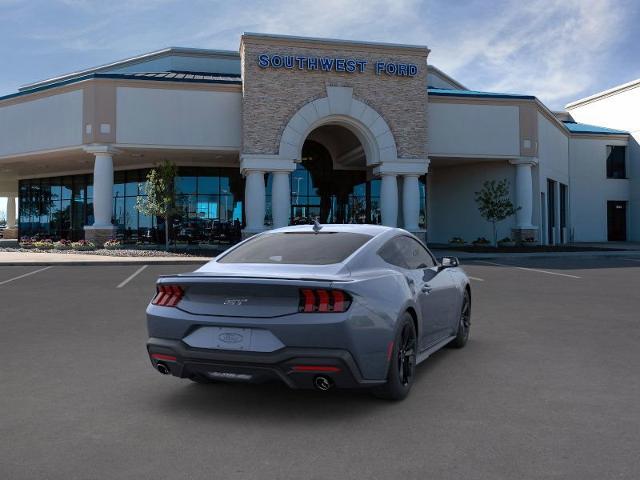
(529, 269)
(632, 259)
(25, 275)
(132, 276)
(475, 278)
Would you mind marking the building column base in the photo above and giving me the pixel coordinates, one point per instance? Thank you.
(99, 235)
(524, 234)
(10, 233)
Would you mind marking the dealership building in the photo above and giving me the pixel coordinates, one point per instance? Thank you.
(289, 129)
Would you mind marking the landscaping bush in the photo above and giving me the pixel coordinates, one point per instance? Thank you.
(457, 241)
(43, 244)
(506, 242)
(26, 242)
(62, 245)
(83, 245)
(112, 244)
(481, 241)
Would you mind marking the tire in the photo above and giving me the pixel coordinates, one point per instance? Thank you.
(402, 367)
(464, 324)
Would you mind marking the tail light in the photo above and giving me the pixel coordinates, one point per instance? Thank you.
(323, 300)
(168, 295)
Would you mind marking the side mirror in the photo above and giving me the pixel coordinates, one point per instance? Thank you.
(449, 262)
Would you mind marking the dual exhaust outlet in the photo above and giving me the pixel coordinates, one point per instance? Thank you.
(163, 369)
(321, 382)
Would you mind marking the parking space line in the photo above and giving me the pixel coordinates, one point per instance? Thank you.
(132, 276)
(25, 275)
(529, 269)
(475, 278)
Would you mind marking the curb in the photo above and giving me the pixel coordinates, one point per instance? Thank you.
(74, 263)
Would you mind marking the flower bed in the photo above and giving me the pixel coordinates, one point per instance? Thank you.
(83, 245)
(112, 244)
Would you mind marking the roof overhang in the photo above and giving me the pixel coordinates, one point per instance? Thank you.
(605, 93)
(145, 57)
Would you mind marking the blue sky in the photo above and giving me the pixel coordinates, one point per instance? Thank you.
(557, 50)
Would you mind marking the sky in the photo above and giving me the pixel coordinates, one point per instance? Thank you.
(558, 50)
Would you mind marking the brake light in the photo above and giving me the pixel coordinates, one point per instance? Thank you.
(168, 295)
(315, 368)
(322, 300)
(162, 356)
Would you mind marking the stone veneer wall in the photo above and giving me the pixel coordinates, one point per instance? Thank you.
(271, 96)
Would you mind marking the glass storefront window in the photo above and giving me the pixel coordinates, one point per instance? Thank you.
(186, 185)
(337, 197)
(209, 201)
(422, 219)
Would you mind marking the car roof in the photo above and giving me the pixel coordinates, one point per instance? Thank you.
(373, 230)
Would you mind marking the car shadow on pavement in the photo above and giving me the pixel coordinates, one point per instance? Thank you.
(276, 402)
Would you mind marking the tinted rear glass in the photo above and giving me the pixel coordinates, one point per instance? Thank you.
(298, 248)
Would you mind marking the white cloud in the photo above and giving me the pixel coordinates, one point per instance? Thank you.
(553, 49)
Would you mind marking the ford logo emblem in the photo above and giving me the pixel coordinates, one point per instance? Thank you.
(230, 337)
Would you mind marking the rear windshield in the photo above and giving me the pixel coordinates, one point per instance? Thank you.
(299, 248)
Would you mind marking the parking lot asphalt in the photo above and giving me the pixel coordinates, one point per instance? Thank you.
(548, 387)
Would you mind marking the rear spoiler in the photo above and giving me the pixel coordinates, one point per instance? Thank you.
(207, 277)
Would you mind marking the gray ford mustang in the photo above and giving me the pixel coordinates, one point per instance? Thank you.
(313, 306)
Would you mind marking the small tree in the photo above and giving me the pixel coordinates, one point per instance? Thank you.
(494, 203)
(160, 194)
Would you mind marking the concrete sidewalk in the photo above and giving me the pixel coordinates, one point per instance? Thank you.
(37, 259)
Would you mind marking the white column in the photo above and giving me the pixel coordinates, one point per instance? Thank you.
(103, 190)
(557, 213)
(280, 199)
(524, 192)
(254, 198)
(11, 212)
(389, 199)
(411, 202)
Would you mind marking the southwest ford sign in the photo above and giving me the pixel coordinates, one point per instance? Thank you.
(333, 64)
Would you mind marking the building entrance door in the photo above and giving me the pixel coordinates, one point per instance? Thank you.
(332, 195)
(617, 221)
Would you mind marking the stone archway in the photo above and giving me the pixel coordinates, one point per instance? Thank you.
(340, 108)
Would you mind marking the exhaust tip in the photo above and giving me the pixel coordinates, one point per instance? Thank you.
(323, 383)
(163, 369)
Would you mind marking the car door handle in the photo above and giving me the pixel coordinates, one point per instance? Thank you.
(426, 288)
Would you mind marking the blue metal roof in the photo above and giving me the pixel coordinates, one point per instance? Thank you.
(445, 92)
(188, 77)
(575, 127)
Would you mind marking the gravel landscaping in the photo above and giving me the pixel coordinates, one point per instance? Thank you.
(121, 252)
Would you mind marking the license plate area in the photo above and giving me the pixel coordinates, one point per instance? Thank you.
(233, 338)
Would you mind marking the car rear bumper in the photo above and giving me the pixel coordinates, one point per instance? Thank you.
(296, 367)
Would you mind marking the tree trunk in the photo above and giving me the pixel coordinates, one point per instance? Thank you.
(495, 235)
(166, 233)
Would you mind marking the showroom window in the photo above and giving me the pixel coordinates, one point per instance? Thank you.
(208, 202)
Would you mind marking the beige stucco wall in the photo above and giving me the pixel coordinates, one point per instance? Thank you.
(272, 96)
(44, 123)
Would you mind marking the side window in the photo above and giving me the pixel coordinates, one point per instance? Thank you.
(391, 253)
(616, 161)
(416, 256)
(407, 253)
